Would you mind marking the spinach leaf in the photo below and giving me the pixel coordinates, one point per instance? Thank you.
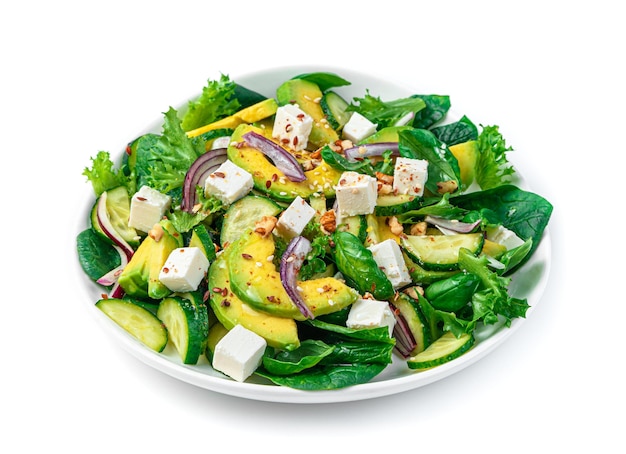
(308, 354)
(247, 97)
(327, 377)
(442, 165)
(358, 266)
(386, 113)
(360, 352)
(458, 132)
(95, 255)
(525, 213)
(442, 208)
(324, 80)
(379, 334)
(437, 106)
(338, 162)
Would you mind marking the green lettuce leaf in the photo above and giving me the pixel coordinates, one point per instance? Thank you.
(386, 113)
(103, 175)
(493, 168)
(217, 101)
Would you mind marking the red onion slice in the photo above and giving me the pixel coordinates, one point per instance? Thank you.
(290, 264)
(405, 341)
(452, 225)
(371, 149)
(197, 174)
(111, 278)
(282, 159)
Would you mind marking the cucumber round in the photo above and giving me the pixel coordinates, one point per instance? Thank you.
(334, 108)
(441, 351)
(356, 225)
(187, 326)
(391, 204)
(142, 324)
(441, 252)
(201, 238)
(243, 214)
(118, 208)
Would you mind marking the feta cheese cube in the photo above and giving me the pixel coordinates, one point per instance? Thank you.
(504, 236)
(239, 353)
(292, 221)
(388, 256)
(366, 313)
(409, 176)
(358, 128)
(356, 194)
(147, 207)
(220, 142)
(228, 183)
(292, 127)
(184, 269)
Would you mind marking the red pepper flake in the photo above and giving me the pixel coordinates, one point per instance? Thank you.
(271, 298)
(225, 303)
(219, 174)
(284, 141)
(166, 270)
(246, 256)
(274, 177)
(217, 290)
(300, 116)
(295, 141)
(268, 183)
(104, 296)
(141, 199)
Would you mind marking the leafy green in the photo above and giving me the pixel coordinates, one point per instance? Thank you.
(103, 174)
(184, 221)
(442, 208)
(96, 255)
(308, 354)
(437, 107)
(442, 165)
(358, 266)
(385, 113)
(163, 161)
(326, 377)
(217, 101)
(458, 132)
(339, 162)
(493, 168)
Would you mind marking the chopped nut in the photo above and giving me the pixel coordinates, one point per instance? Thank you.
(388, 179)
(156, 232)
(265, 226)
(414, 291)
(449, 186)
(383, 188)
(328, 222)
(418, 228)
(395, 226)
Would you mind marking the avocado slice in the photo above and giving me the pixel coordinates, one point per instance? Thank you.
(388, 134)
(255, 279)
(279, 332)
(140, 277)
(307, 96)
(466, 154)
(268, 179)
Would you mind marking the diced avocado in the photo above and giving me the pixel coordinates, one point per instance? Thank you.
(388, 134)
(255, 279)
(254, 113)
(270, 180)
(140, 277)
(279, 332)
(466, 154)
(493, 249)
(307, 95)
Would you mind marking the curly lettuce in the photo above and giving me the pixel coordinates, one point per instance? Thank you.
(103, 175)
(218, 100)
(493, 168)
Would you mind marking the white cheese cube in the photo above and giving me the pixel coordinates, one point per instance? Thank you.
(504, 236)
(292, 127)
(228, 183)
(184, 269)
(409, 176)
(220, 142)
(356, 194)
(292, 221)
(366, 313)
(388, 256)
(358, 128)
(239, 353)
(147, 207)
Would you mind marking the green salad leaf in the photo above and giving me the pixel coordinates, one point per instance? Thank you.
(103, 175)
(217, 101)
(386, 113)
(493, 168)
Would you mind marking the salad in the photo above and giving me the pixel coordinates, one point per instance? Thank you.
(308, 239)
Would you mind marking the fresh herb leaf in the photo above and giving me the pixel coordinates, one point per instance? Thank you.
(387, 113)
(458, 132)
(437, 106)
(308, 354)
(326, 377)
(95, 255)
(103, 174)
(493, 168)
(324, 80)
(216, 102)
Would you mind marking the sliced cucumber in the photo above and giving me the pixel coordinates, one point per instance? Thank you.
(137, 321)
(243, 214)
(356, 225)
(201, 238)
(441, 351)
(410, 311)
(118, 208)
(187, 327)
(334, 107)
(441, 252)
(391, 204)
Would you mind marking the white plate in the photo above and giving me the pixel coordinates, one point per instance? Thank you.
(529, 282)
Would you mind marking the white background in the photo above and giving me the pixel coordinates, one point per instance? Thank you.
(78, 77)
